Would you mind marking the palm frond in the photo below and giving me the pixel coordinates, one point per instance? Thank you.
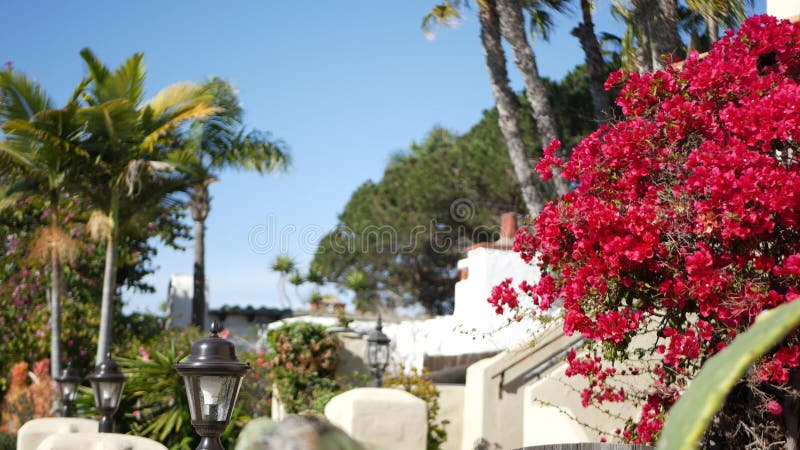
(80, 90)
(445, 13)
(9, 199)
(172, 106)
(129, 79)
(114, 121)
(48, 131)
(541, 24)
(283, 264)
(98, 74)
(257, 151)
(20, 97)
(17, 151)
(541, 21)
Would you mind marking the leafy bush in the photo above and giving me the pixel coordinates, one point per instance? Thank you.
(302, 364)
(29, 396)
(420, 385)
(8, 441)
(686, 223)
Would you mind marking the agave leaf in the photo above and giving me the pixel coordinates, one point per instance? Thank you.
(690, 417)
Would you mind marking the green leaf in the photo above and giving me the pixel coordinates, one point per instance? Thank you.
(690, 417)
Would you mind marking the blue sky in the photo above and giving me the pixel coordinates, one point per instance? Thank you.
(345, 84)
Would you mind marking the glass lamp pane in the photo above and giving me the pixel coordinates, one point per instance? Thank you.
(69, 390)
(216, 395)
(377, 355)
(191, 389)
(107, 393)
(382, 356)
(372, 354)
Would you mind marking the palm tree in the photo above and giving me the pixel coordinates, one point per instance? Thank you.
(637, 51)
(447, 13)
(364, 290)
(208, 146)
(594, 61)
(651, 32)
(512, 27)
(665, 27)
(287, 268)
(715, 12)
(124, 139)
(39, 143)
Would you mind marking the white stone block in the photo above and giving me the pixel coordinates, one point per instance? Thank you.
(451, 408)
(390, 419)
(33, 432)
(99, 441)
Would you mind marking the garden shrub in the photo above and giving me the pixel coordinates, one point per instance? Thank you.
(29, 396)
(685, 222)
(8, 441)
(302, 365)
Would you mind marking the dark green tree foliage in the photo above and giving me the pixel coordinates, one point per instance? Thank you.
(407, 231)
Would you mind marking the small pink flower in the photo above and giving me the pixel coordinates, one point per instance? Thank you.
(143, 353)
(224, 334)
(774, 408)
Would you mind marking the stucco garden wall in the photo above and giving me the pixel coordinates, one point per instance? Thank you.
(451, 407)
(390, 419)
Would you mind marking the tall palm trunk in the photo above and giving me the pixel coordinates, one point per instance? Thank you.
(713, 29)
(512, 26)
(109, 279)
(507, 106)
(641, 18)
(55, 293)
(200, 206)
(594, 62)
(665, 31)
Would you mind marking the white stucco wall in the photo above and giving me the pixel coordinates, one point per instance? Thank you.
(179, 301)
(451, 408)
(481, 408)
(567, 423)
(487, 268)
(783, 9)
(390, 419)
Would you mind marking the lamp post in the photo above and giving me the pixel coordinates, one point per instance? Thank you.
(68, 381)
(378, 352)
(107, 383)
(213, 376)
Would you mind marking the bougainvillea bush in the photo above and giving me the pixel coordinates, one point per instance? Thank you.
(685, 222)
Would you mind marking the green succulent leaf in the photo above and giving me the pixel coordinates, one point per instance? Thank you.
(690, 417)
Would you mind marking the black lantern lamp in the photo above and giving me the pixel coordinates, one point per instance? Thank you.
(107, 383)
(68, 381)
(213, 376)
(378, 352)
